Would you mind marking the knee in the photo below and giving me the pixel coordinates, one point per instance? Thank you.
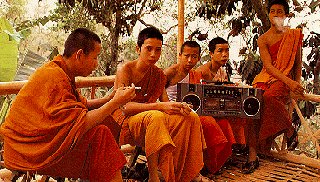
(101, 130)
(193, 118)
(99, 133)
(208, 121)
(223, 122)
(155, 116)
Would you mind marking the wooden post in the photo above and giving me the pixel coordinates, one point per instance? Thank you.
(180, 26)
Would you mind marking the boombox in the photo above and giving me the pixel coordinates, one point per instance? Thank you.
(221, 101)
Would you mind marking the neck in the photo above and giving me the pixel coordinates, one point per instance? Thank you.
(181, 69)
(277, 30)
(68, 69)
(214, 67)
(141, 66)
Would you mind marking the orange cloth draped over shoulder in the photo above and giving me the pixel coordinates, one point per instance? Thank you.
(178, 139)
(283, 55)
(275, 118)
(44, 131)
(217, 133)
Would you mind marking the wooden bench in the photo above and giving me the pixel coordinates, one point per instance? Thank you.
(7, 88)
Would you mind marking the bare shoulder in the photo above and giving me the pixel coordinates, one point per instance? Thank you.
(171, 70)
(124, 72)
(200, 68)
(203, 68)
(126, 67)
(263, 39)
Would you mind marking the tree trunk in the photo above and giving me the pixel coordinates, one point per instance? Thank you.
(114, 47)
(261, 13)
(180, 26)
(316, 83)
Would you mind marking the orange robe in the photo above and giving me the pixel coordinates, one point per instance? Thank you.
(44, 131)
(178, 139)
(275, 118)
(217, 133)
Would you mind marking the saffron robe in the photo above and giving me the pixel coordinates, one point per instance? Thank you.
(45, 131)
(275, 118)
(217, 133)
(178, 139)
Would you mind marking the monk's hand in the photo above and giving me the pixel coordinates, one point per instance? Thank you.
(110, 96)
(124, 95)
(171, 107)
(186, 108)
(296, 88)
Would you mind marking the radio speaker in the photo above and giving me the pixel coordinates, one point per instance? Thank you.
(221, 101)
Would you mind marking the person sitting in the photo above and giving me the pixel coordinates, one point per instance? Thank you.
(52, 130)
(280, 52)
(170, 133)
(217, 131)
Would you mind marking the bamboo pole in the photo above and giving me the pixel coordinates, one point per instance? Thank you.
(7, 88)
(307, 97)
(306, 126)
(298, 159)
(180, 26)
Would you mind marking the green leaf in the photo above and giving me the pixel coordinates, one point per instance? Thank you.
(8, 51)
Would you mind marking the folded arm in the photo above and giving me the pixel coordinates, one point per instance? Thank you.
(267, 63)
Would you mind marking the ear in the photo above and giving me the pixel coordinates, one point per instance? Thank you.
(211, 54)
(138, 49)
(79, 53)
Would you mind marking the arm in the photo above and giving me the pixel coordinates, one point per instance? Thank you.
(170, 73)
(123, 76)
(297, 69)
(164, 97)
(267, 63)
(133, 108)
(98, 115)
(96, 103)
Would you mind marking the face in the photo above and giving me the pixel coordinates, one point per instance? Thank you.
(189, 57)
(220, 54)
(89, 62)
(277, 15)
(150, 50)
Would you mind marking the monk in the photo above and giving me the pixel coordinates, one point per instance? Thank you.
(280, 51)
(217, 132)
(52, 130)
(170, 133)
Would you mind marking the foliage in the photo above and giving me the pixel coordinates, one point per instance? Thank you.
(168, 53)
(249, 67)
(119, 17)
(71, 18)
(128, 50)
(13, 10)
(313, 68)
(8, 51)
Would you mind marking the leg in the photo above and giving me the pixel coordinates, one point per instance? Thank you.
(252, 138)
(253, 133)
(148, 129)
(216, 143)
(117, 177)
(96, 156)
(153, 167)
(177, 139)
(186, 133)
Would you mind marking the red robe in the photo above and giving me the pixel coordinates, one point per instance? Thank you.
(45, 132)
(218, 135)
(275, 118)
